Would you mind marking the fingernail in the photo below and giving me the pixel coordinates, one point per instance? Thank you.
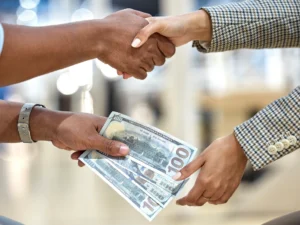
(136, 42)
(176, 176)
(124, 150)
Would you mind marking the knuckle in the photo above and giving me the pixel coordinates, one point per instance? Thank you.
(215, 185)
(187, 170)
(108, 146)
(205, 181)
(151, 19)
(151, 48)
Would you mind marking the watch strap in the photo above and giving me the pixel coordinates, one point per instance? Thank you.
(23, 122)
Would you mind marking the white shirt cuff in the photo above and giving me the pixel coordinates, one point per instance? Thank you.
(1, 38)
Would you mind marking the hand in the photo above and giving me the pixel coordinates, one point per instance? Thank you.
(76, 131)
(179, 29)
(222, 167)
(121, 27)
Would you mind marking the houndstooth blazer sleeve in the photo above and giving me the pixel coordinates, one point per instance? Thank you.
(273, 132)
(254, 24)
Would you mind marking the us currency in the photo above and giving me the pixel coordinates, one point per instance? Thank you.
(122, 185)
(162, 197)
(164, 182)
(149, 146)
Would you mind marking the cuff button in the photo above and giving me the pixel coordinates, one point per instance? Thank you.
(272, 149)
(279, 146)
(286, 143)
(292, 139)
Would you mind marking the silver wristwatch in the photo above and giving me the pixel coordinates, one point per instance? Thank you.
(23, 122)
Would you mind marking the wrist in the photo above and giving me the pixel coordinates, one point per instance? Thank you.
(198, 26)
(104, 37)
(238, 148)
(90, 37)
(42, 124)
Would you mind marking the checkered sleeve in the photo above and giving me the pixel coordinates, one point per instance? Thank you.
(273, 126)
(254, 24)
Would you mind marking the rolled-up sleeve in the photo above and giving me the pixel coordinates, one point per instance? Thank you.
(1, 38)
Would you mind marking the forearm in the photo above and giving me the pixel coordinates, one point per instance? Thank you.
(32, 51)
(253, 25)
(42, 123)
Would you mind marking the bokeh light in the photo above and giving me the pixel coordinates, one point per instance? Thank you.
(82, 73)
(66, 84)
(27, 17)
(107, 70)
(82, 14)
(29, 4)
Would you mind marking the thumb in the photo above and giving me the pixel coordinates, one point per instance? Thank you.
(189, 169)
(144, 34)
(110, 147)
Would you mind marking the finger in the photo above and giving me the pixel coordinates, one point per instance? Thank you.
(76, 155)
(217, 195)
(107, 146)
(158, 60)
(141, 14)
(141, 74)
(80, 164)
(148, 65)
(226, 196)
(196, 192)
(212, 190)
(201, 201)
(119, 72)
(126, 76)
(189, 169)
(144, 34)
(166, 47)
(181, 201)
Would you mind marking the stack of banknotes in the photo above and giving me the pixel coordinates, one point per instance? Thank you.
(144, 177)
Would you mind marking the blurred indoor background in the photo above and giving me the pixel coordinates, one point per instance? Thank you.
(196, 97)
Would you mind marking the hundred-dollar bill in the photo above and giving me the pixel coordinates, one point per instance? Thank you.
(162, 197)
(149, 146)
(164, 182)
(122, 185)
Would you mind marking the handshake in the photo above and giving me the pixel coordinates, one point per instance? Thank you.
(134, 43)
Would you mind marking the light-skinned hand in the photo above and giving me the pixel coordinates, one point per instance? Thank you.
(221, 166)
